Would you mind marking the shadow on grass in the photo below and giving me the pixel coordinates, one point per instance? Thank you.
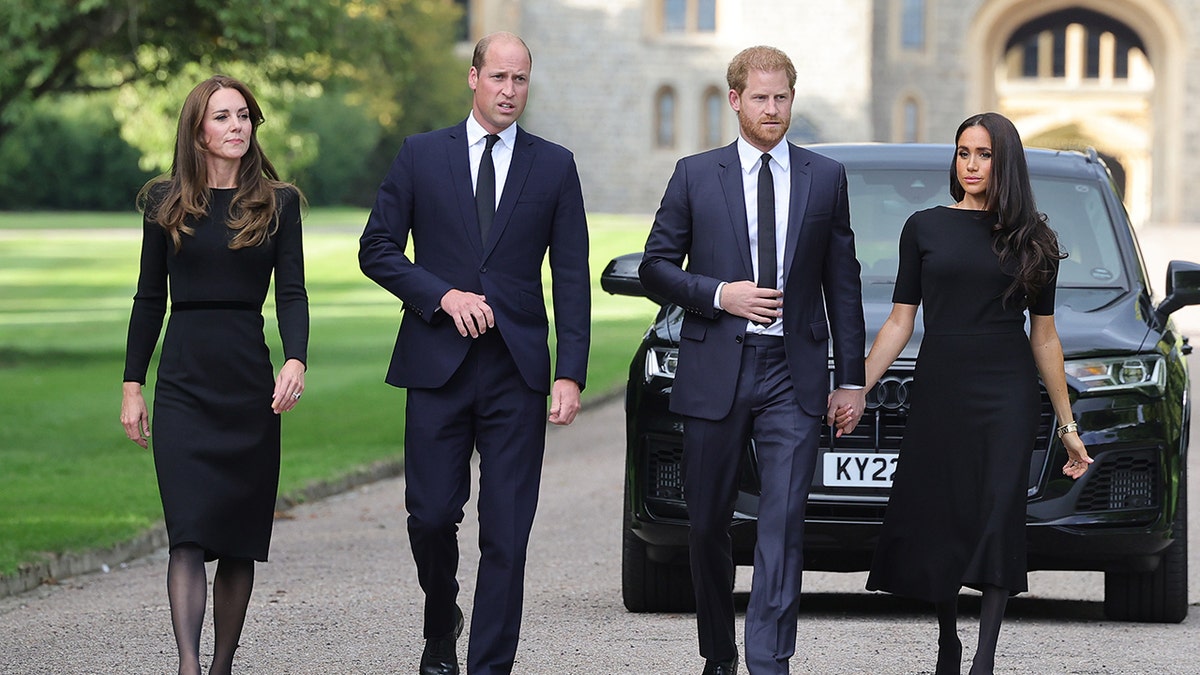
(13, 357)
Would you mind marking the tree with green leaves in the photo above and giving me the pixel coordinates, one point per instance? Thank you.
(389, 66)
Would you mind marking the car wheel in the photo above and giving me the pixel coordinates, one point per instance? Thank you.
(650, 586)
(1160, 596)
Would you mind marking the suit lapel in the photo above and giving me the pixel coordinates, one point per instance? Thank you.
(514, 183)
(801, 182)
(735, 200)
(460, 171)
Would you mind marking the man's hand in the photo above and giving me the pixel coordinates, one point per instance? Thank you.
(846, 407)
(564, 401)
(747, 300)
(471, 313)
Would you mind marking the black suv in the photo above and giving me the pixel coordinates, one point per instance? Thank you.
(1125, 365)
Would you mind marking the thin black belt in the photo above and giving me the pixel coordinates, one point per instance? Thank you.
(193, 305)
(763, 340)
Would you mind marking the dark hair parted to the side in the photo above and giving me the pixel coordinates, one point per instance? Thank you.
(183, 195)
(1022, 240)
(766, 59)
(480, 55)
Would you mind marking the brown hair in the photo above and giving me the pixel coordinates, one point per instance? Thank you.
(184, 194)
(481, 47)
(766, 59)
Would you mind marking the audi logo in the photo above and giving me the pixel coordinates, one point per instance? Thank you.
(891, 393)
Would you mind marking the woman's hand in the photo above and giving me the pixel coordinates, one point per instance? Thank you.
(134, 416)
(1078, 460)
(289, 385)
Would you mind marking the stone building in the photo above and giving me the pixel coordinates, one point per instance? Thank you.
(633, 85)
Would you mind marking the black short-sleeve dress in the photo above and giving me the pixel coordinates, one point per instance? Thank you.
(215, 437)
(956, 515)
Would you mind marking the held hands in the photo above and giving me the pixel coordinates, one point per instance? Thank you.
(289, 385)
(134, 416)
(564, 401)
(846, 407)
(471, 313)
(1077, 456)
(747, 300)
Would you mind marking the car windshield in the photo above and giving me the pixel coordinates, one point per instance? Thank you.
(882, 200)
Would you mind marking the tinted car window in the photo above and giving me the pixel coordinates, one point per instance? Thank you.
(882, 200)
(1077, 212)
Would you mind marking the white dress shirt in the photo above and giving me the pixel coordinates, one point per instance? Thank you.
(750, 159)
(502, 152)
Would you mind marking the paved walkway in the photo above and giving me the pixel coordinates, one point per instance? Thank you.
(340, 594)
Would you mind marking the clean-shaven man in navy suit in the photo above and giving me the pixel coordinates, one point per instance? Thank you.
(770, 277)
(460, 228)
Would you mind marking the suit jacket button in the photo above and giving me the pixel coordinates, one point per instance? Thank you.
(738, 339)
(483, 270)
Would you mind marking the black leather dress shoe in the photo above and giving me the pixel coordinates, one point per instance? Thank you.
(441, 656)
(720, 667)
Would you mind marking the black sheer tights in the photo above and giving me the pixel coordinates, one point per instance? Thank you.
(187, 590)
(991, 615)
(949, 660)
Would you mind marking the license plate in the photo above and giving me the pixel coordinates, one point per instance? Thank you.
(859, 469)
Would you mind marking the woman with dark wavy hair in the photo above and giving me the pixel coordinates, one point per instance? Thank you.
(956, 514)
(215, 230)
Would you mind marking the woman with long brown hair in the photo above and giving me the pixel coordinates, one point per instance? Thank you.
(956, 514)
(215, 230)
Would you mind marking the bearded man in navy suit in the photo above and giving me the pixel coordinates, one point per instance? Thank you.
(482, 202)
(771, 274)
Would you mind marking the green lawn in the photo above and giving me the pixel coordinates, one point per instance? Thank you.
(70, 480)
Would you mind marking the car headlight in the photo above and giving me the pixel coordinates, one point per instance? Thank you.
(661, 362)
(1144, 373)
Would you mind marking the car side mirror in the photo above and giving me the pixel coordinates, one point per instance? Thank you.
(1183, 288)
(620, 277)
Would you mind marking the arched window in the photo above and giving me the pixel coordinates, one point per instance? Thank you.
(1077, 44)
(714, 112)
(664, 117)
(910, 120)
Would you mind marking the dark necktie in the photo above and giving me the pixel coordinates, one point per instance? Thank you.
(767, 265)
(485, 188)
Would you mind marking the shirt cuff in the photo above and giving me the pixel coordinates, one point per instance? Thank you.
(717, 297)
(850, 386)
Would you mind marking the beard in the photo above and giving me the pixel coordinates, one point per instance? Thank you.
(763, 136)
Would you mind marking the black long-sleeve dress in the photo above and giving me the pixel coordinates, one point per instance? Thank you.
(215, 437)
(956, 514)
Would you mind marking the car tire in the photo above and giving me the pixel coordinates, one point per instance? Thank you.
(649, 586)
(1160, 596)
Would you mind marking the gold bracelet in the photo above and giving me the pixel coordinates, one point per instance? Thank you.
(1068, 428)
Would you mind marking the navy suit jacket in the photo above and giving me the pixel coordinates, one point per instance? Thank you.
(703, 218)
(428, 196)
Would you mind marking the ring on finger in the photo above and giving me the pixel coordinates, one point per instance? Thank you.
(296, 395)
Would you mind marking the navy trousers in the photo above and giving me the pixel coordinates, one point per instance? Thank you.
(786, 440)
(486, 406)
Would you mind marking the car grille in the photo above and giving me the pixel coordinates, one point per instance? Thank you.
(1123, 481)
(880, 430)
(664, 468)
